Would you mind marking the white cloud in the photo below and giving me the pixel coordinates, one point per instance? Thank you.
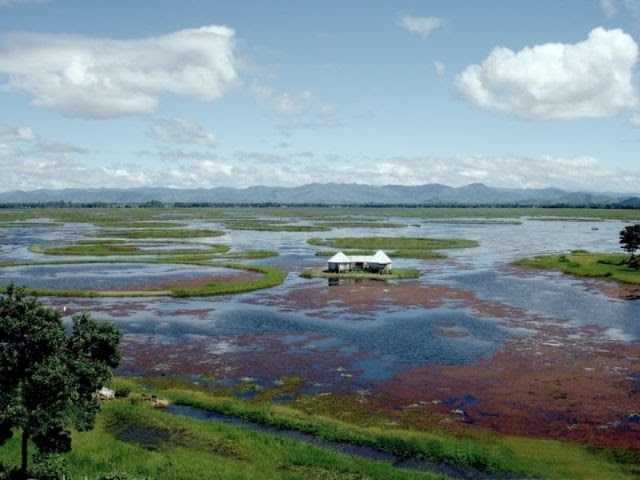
(102, 78)
(180, 131)
(202, 169)
(634, 120)
(609, 8)
(441, 69)
(297, 110)
(589, 79)
(421, 26)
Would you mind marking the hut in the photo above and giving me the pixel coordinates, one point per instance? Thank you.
(377, 263)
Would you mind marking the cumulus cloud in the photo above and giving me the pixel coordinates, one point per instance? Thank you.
(103, 78)
(421, 26)
(440, 68)
(588, 79)
(180, 131)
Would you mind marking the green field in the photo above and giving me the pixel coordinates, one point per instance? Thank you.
(609, 266)
(158, 233)
(398, 247)
(120, 248)
(135, 217)
(133, 439)
(393, 243)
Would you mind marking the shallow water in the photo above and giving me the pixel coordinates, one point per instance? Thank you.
(370, 341)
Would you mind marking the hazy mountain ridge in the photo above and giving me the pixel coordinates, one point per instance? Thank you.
(330, 193)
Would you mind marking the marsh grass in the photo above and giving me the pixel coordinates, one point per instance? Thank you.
(396, 247)
(494, 454)
(270, 277)
(393, 243)
(609, 266)
(106, 248)
(158, 233)
(396, 274)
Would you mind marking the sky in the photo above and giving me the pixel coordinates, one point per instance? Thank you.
(201, 94)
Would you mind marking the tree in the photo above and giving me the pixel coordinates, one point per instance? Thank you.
(48, 377)
(630, 243)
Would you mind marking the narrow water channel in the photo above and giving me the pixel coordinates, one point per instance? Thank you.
(361, 451)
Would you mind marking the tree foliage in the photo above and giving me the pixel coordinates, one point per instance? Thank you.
(48, 376)
(630, 243)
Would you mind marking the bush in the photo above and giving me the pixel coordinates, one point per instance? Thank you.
(123, 392)
(49, 467)
(119, 476)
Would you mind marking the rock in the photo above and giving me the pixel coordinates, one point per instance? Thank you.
(106, 394)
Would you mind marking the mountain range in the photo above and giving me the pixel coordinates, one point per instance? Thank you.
(329, 194)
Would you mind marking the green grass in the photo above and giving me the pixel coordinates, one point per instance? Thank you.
(393, 243)
(155, 233)
(609, 266)
(486, 451)
(269, 277)
(361, 224)
(112, 248)
(131, 438)
(396, 247)
(272, 226)
(116, 223)
(396, 274)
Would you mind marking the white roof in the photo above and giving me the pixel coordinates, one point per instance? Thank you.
(339, 258)
(380, 257)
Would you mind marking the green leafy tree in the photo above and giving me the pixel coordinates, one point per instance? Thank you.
(48, 376)
(630, 243)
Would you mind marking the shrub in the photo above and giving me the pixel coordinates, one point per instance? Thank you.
(123, 392)
(49, 467)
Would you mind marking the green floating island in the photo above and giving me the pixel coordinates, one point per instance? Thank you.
(398, 247)
(362, 224)
(396, 274)
(272, 226)
(119, 248)
(159, 233)
(270, 277)
(580, 263)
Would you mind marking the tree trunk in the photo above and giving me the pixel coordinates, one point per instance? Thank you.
(25, 454)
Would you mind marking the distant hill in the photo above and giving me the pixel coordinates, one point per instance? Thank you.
(329, 193)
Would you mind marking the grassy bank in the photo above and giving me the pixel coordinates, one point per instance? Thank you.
(398, 247)
(132, 439)
(607, 266)
(269, 277)
(484, 451)
(393, 243)
(117, 248)
(396, 274)
(361, 224)
(159, 233)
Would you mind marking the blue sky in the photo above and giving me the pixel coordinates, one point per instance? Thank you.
(238, 93)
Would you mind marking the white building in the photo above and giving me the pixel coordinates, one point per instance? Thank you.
(379, 263)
